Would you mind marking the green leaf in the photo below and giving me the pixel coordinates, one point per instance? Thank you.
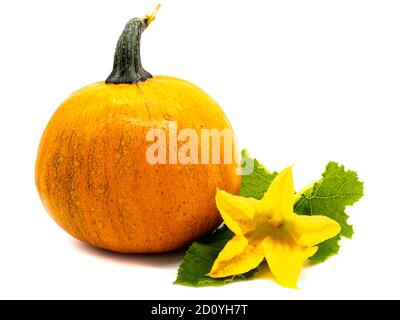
(330, 196)
(326, 249)
(201, 256)
(257, 182)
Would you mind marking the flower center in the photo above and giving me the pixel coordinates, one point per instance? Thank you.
(274, 223)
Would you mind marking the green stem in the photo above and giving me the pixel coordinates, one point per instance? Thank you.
(127, 63)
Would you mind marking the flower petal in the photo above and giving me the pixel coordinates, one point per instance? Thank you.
(279, 198)
(285, 259)
(237, 212)
(236, 257)
(311, 230)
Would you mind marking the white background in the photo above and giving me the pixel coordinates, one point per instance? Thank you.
(303, 82)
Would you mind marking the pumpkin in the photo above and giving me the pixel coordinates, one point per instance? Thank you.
(91, 170)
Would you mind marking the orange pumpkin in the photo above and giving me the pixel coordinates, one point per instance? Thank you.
(92, 174)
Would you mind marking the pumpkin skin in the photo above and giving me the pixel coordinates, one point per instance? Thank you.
(94, 180)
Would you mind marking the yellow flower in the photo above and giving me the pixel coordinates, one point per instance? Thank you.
(268, 228)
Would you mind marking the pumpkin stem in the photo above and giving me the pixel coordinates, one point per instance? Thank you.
(127, 63)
